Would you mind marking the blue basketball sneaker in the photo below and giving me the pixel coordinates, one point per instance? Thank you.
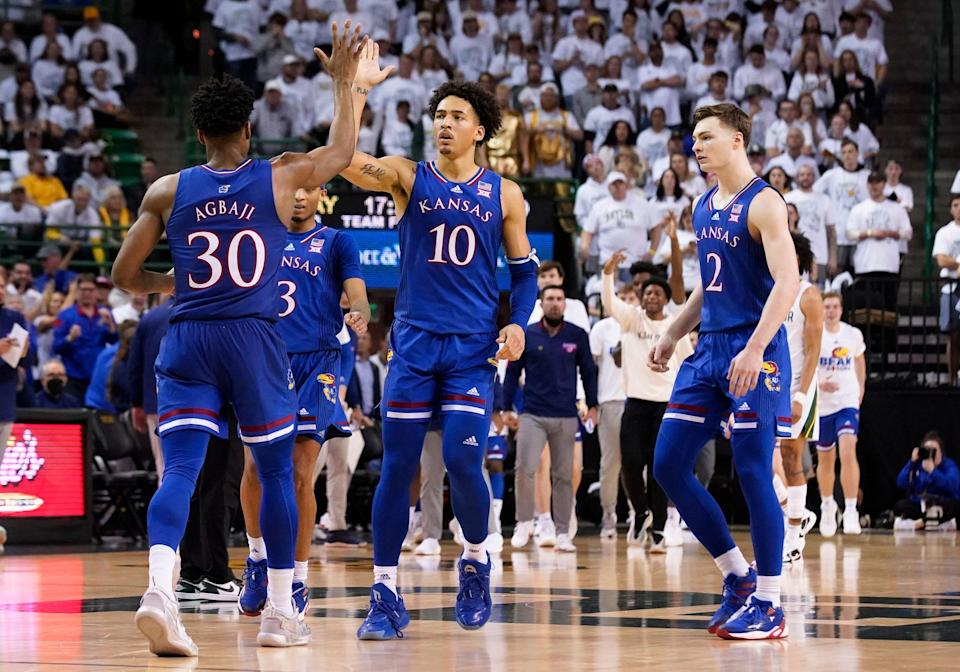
(759, 620)
(736, 591)
(473, 601)
(253, 595)
(387, 616)
(301, 598)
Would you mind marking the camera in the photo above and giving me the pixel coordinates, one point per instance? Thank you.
(924, 453)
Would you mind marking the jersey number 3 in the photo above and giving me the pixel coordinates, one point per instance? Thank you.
(212, 241)
(715, 285)
(441, 242)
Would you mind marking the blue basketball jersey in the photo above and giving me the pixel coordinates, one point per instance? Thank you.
(450, 235)
(733, 268)
(226, 242)
(312, 272)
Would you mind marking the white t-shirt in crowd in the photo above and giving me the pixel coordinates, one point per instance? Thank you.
(691, 263)
(874, 255)
(588, 194)
(238, 18)
(869, 52)
(622, 224)
(776, 135)
(697, 81)
(471, 55)
(816, 214)
(769, 77)
(947, 241)
(604, 337)
(845, 189)
(20, 222)
(600, 120)
(653, 144)
(667, 97)
(572, 79)
(838, 351)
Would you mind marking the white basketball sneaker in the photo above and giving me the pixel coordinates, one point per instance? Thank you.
(548, 534)
(280, 630)
(828, 519)
(158, 618)
(428, 546)
(564, 545)
(521, 534)
(851, 522)
(793, 544)
(495, 543)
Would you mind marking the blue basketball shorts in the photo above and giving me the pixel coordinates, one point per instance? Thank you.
(835, 425)
(430, 373)
(497, 448)
(204, 365)
(701, 393)
(316, 375)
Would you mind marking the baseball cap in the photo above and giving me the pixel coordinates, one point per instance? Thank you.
(589, 158)
(16, 186)
(380, 34)
(272, 85)
(549, 86)
(424, 16)
(755, 149)
(469, 15)
(90, 13)
(49, 251)
(103, 281)
(615, 176)
(290, 59)
(577, 14)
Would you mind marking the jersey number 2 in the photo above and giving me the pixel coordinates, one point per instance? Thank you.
(715, 286)
(439, 233)
(233, 259)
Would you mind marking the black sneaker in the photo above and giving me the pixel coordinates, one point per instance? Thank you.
(344, 538)
(207, 590)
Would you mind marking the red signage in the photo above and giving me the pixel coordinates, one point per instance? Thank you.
(42, 471)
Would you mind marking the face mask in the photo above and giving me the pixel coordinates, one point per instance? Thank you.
(55, 386)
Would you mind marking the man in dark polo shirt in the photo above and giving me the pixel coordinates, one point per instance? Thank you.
(555, 352)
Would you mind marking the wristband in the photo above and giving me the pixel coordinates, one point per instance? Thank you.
(800, 398)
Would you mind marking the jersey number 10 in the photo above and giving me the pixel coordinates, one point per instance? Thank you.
(442, 241)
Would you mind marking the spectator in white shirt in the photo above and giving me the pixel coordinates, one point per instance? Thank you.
(652, 141)
(404, 85)
(812, 39)
(775, 140)
(122, 49)
(758, 23)
(674, 53)
(50, 32)
(351, 11)
(846, 186)
(573, 52)
(859, 132)
(791, 159)
(600, 119)
(690, 181)
(674, 146)
(504, 64)
(471, 51)
(529, 96)
(48, 71)
(775, 54)
(699, 74)
(622, 220)
(9, 40)
(668, 197)
(660, 85)
(302, 30)
(812, 77)
(424, 36)
(32, 145)
(76, 211)
(70, 113)
(273, 119)
(430, 71)
(96, 180)
(397, 138)
(591, 191)
(817, 221)
(238, 28)
(878, 10)
(870, 51)
(946, 253)
(716, 92)
(812, 119)
(627, 46)
(20, 220)
(97, 56)
(789, 16)
(758, 71)
(513, 19)
(298, 91)
(878, 224)
(894, 189)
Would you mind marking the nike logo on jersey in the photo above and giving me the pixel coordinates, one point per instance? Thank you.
(471, 441)
(456, 189)
(290, 248)
(473, 392)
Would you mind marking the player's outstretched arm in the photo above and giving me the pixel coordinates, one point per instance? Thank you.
(319, 166)
(768, 215)
(522, 262)
(128, 272)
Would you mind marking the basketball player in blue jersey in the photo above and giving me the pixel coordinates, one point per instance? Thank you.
(319, 263)
(444, 341)
(749, 274)
(226, 224)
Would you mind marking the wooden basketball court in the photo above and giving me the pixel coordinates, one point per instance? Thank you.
(877, 602)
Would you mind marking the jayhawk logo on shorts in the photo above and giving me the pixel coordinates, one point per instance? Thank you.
(326, 379)
(771, 375)
(291, 381)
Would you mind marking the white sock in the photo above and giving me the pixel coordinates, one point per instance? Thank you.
(411, 516)
(850, 503)
(497, 509)
(732, 562)
(387, 576)
(781, 490)
(545, 518)
(827, 501)
(300, 571)
(280, 589)
(673, 515)
(476, 552)
(258, 549)
(162, 560)
(768, 589)
(796, 501)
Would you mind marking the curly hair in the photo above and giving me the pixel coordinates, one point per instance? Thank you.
(221, 107)
(482, 101)
(805, 258)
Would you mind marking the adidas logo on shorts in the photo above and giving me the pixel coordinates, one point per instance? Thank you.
(471, 441)
(744, 407)
(473, 392)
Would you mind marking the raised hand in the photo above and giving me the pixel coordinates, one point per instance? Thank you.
(344, 56)
(369, 73)
(613, 263)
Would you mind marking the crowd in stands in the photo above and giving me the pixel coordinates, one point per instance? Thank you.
(58, 91)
